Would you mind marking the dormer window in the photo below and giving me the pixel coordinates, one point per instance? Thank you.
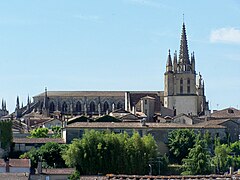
(230, 111)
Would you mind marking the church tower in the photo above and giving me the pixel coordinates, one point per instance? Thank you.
(181, 92)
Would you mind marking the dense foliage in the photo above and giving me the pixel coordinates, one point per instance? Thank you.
(106, 152)
(198, 160)
(6, 134)
(180, 143)
(39, 133)
(50, 154)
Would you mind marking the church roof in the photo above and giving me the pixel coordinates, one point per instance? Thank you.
(83, 93)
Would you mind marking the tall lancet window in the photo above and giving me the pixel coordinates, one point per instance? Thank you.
(188, 86)
(181, 86)
(78, 107)
(92, 107)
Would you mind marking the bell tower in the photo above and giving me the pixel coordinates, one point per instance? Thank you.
(180, 92)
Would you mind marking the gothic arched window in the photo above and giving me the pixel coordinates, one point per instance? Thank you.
(92, 107)
(181, 86)
(78, 107)
(188, 85)
(105, 106)
(119, 105)
(51, 107)
(64, 107)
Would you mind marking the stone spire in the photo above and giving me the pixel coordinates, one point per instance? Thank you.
(175, 61)
(169, 62)
(17, 103)
(2, 104)
(193, 62)
(183, 54)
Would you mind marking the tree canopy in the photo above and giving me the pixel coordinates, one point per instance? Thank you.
(106, 152)
(180, 142)
(39, 133)
(50, 154)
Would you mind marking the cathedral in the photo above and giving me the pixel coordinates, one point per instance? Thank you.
(183, 94)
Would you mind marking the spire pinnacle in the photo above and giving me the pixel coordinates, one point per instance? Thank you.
(169, 61)
(184, 61)
(17, 103)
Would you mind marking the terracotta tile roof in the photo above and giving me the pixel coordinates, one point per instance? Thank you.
(20, 163)
(16, 163)
(83, 93)
(37, 140)
(2, 163)
(226, 113)
(14, 176)
(137, 125)
(59, 171)
(214, 122)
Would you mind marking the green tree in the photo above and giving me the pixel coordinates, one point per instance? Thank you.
(50, 154)
(56, 131)
(6, 134)
(198, 160)
(180, 142)
(39, 133)
(106, 152)
(235, 148)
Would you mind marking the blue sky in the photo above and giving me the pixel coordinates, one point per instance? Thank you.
(116, 45)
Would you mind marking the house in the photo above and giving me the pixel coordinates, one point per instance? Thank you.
(25, 144)
(53, 174)
(159, 131)
(232, 127)
(15, 166)
(228, 113)
(183, 119)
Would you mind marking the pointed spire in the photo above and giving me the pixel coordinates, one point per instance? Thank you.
(175, 61)
(17, 103)
(169, 62)
(193, 62)
(2, 104)
(183, 54)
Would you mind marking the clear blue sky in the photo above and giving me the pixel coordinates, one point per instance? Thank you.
(116, 45)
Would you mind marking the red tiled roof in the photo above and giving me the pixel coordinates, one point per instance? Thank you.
(226, 113)
(137, 125)
(14, 176)
(16, 163)
(37, 140)
(59, 171)
(20, 163)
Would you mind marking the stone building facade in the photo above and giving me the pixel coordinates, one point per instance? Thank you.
(183, 93)
(183, 89)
